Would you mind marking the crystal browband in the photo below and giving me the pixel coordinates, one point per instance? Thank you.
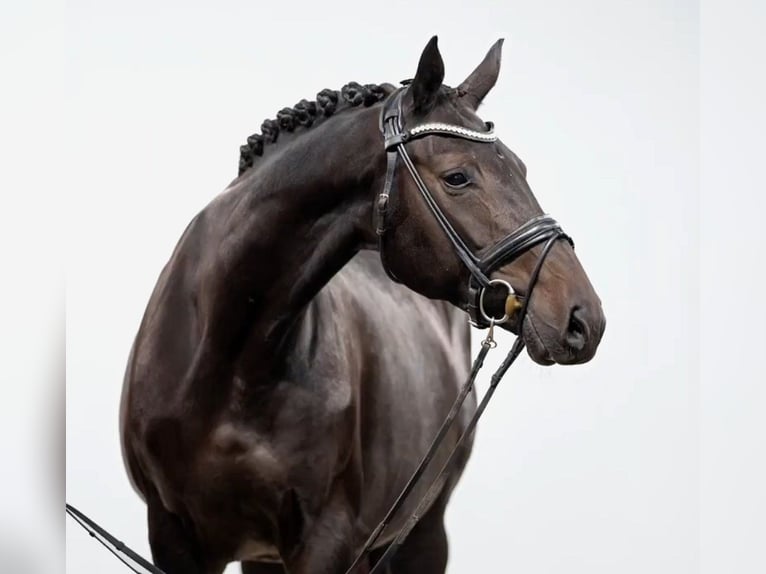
(450, 129)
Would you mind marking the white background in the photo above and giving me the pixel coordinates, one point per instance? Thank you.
(589, 469)
(597, 468)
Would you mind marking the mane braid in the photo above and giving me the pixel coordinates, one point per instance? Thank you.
(306, 114)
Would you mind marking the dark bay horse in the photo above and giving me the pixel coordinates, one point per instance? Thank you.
(281, 388)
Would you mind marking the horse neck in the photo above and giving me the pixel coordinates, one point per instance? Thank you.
(286, 228)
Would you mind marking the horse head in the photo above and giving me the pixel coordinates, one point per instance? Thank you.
(463, 223)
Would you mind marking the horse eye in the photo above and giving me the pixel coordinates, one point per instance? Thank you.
(457, 179)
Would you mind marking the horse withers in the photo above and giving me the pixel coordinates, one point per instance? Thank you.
(281, 387)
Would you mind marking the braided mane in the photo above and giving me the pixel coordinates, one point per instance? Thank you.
(306, 114)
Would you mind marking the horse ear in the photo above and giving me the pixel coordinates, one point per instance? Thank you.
(428, 78)
(483, 78)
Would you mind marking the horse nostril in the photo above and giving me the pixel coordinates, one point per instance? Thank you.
(577, 331)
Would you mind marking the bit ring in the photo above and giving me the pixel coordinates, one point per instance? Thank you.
(481, 301)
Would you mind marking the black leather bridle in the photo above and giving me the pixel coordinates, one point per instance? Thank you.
(539, 230)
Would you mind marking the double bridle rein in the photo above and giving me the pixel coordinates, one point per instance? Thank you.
(539, 230)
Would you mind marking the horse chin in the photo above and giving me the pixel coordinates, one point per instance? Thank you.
(536, 348)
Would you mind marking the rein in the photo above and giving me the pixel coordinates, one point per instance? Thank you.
(121, 551)
(541, 229)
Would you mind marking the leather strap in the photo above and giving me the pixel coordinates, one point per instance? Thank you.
(384, 200)
(395, 138)
(534, 231)
(437, 483)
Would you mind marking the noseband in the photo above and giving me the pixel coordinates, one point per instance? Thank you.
(538, 230)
